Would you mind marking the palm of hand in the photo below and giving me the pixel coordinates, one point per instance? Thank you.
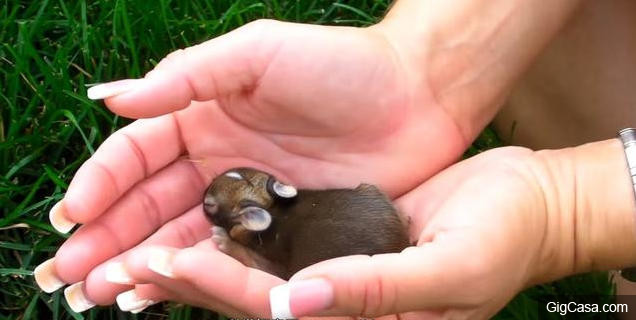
(317, 106)
(467, 263)
(337, 102)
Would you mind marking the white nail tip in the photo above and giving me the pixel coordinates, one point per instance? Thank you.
(58, 219)
(46, 278)
(279, 302)
(160, 261)
(130, 301)
(111, 89)
(116, 273)
(76, 299)
(135, 311)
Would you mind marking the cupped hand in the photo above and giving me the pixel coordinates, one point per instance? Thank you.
(317, 106)
(481, 228)
(482, 236)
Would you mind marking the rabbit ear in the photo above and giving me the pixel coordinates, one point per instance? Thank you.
(255, 218)
(283, 190)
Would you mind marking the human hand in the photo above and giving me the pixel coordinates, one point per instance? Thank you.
(316, 106)
(479, 230)
(467, 262)
(486, 228)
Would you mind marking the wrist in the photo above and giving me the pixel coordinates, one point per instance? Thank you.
(469, 52)
(590, 210)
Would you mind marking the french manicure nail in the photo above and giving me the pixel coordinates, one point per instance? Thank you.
(46, 277)
(160, 261)
(76, 298)
(279, 302)
(300, 298)
(148, 304)
(130, 301)
(110, 89)
(135, 311)
(116, 273)
(58, 218)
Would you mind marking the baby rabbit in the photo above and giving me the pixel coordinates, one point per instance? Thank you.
(276, 228)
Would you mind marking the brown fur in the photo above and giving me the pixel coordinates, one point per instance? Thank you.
(313, 226)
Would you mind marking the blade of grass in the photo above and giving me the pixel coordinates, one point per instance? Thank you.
(30, 308)
(15, 272)
(70, 116)
(367, 18)
(17, 212)
(23, 162)
(54, 176)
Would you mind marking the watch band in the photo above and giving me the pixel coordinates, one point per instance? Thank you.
(628, 138)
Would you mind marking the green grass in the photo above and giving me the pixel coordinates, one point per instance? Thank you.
(51, 49)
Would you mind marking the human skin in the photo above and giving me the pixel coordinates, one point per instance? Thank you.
(220, 103)
(486, 228)
(580, 88)
(315, 128)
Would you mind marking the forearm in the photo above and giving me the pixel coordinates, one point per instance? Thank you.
(591, 211)
(470, 52)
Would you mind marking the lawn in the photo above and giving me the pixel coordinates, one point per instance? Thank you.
(50, 52)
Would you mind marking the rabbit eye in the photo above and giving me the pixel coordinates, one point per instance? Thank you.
(248, 203)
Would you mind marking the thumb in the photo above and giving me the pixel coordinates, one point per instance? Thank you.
(230, 63)
(434, 275)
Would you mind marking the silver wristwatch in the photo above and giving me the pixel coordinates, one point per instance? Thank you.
(628, 138)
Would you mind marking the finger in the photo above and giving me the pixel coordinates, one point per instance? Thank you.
(431, 198)
(183, 231)
(142, 296)
(241, 287)
(145, 295)
(217, 288)
(230, 63)
(128, 156)
(144, 209)
(111, 278)
(419, 278)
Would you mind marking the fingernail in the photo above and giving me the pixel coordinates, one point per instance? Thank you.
(135, 311)
(130, 301)
(46, 277)
(160, 261)
(300, 298)
(76, 298)
(58, 218)
(148, 304)
(110, 89)
(116, 273)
